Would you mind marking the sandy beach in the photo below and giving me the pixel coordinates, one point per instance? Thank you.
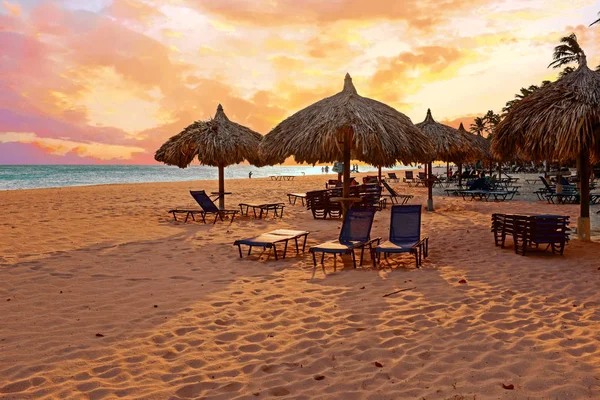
(103, 295)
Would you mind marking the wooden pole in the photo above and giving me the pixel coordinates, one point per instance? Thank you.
(347, 146)
(221, 186)
(379, 175)
(459, 174)
(429, 188)
(447, 170)
(583, 222)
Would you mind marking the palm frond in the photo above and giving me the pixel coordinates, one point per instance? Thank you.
(567, 52)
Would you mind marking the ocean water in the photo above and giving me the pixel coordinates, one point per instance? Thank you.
(14, 177)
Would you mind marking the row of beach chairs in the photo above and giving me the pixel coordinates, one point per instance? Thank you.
(531, 231)
(355, 235)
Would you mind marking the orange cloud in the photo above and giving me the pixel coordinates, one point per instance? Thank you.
(62, 147)
(420, 14)
(409, 71)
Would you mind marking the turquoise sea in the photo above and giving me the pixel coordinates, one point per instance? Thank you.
(46, 176)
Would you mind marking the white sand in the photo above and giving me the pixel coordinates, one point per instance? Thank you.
(183, 317)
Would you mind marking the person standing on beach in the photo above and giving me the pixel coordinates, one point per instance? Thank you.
(250, 175)
(327, 169)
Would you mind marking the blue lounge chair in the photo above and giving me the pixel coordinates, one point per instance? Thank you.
(395, 197)
(355, 234)
(208, 208)
(405, 235)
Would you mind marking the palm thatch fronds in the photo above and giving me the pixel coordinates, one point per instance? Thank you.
(216, 142)
(379, 135)
(556, 122)
(450, 144)
(478, 141)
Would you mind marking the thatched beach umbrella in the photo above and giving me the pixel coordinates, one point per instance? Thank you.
(450, 145)
(343, 127)
(217, 142)
(560, 121)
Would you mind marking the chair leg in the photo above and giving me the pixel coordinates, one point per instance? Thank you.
(249, 249)
(354, 259)
(240, 250)
(275, 251)
(284, 248)
(314, 259)
(362, 252)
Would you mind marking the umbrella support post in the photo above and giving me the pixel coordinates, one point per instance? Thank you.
(221, 187)
(583, 222)
(347, 145)
(429, 188)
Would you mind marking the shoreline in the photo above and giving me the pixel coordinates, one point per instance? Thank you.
(297, 174)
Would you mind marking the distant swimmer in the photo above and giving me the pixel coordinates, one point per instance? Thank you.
(250, 175)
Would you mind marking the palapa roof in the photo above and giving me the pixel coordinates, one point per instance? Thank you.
(215, 142)
(450, 144)
(381, 135)
(482, 144)
(555, 122)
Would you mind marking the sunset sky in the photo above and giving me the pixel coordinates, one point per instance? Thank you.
(101, 81)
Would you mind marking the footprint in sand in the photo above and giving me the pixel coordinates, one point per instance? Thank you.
(250, 348)
(23, 385)
(60, 275)
(196, 364)
(280, 391)
(184, 331)
(194, 391)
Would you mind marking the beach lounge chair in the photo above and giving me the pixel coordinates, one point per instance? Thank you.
(545, 190)
(405, 235)
(392, 177)
(370, 195)
(270, 240)
(395, 197)
(331, 183)
(421, 180)
(292, 197)
(208, 208)
(409, 178)
(551, 230)
(262, 210)
(355, 234)
(370, 179)
(319, 203)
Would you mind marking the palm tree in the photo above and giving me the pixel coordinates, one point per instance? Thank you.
(565, 72)
(567, 52)
(478, 126)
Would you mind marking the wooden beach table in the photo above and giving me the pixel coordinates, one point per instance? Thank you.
(271, 239)
(292, 197)
(262, 209)
(282, 177)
